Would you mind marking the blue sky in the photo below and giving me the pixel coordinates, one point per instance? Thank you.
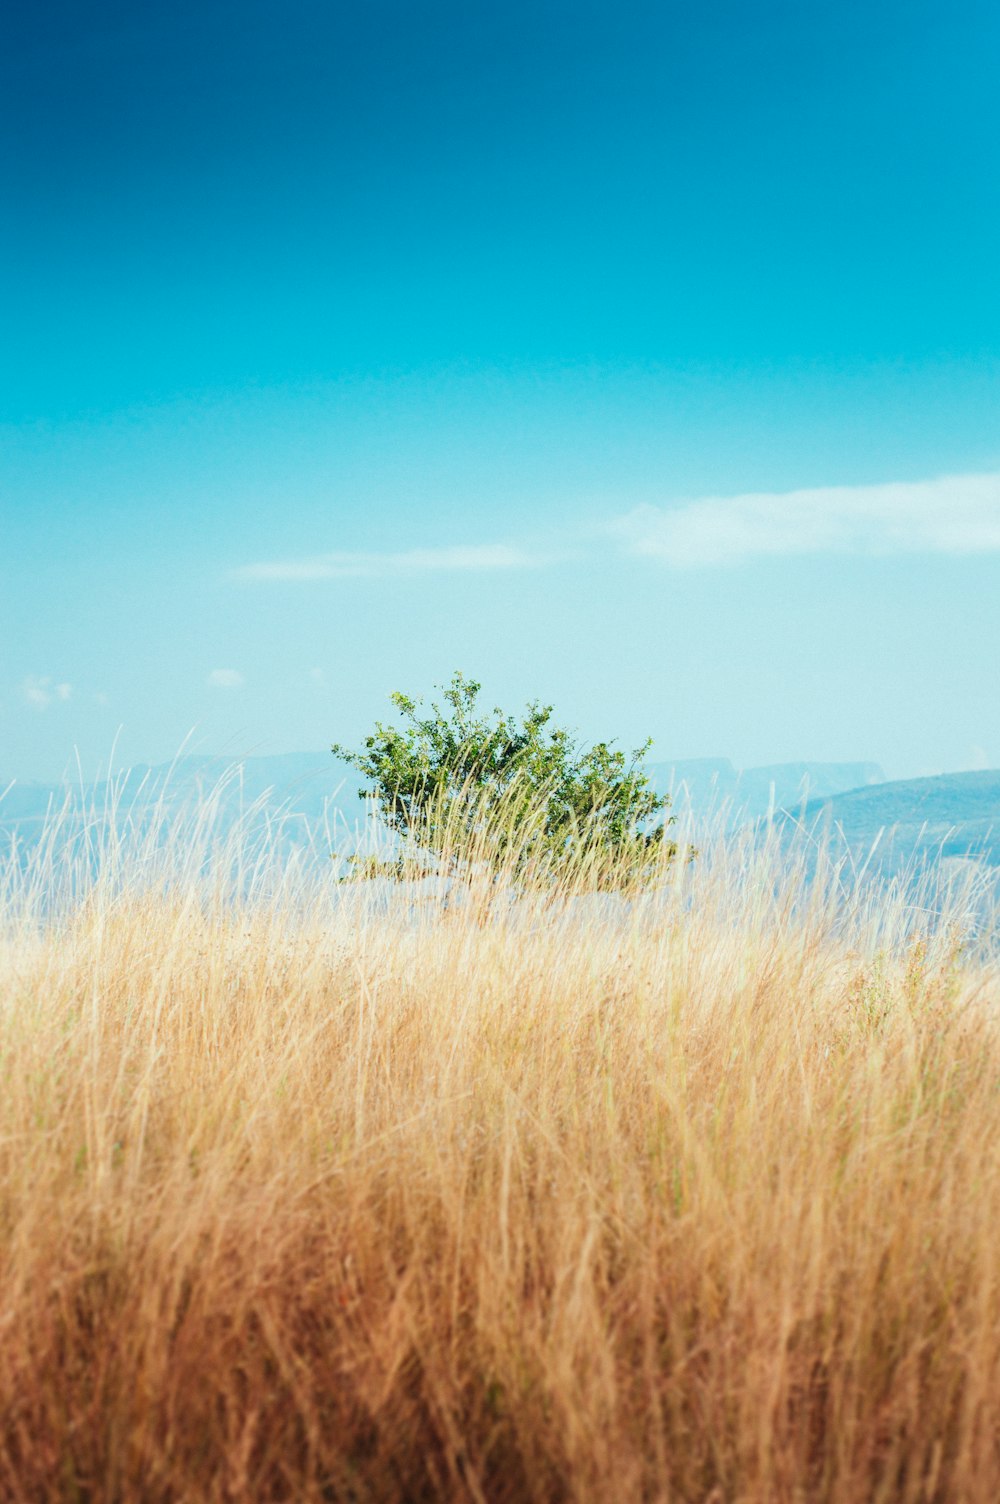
(641, 357)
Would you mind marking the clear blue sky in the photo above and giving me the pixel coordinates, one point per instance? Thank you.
(641, 357)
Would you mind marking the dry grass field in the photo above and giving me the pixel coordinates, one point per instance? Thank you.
(355, 1194)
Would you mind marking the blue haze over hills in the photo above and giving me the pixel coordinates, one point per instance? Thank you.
(952, 816)
(310, 800)
(313, 783)
(706, 783)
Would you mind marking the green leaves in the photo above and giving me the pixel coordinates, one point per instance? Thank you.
(475, 788)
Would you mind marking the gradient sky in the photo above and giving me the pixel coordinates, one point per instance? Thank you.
(644, 358)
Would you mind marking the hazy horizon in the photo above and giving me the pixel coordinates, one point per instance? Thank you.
(74, 768)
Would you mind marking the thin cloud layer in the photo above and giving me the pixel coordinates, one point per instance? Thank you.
(225, 678)
(956, 514)
(41, 692)
(346, 566)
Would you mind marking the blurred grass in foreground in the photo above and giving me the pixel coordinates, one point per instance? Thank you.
(492, 1191)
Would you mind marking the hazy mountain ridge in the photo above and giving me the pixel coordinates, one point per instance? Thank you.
(311, 797)
(952, 815)
(311, 784)
(297, 803)
(303, 782)
(708, 784)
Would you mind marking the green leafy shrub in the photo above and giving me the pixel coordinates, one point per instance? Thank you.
(510, 795)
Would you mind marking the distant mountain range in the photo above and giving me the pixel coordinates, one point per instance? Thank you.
(313, 784)
(953, 816)
(315, 796)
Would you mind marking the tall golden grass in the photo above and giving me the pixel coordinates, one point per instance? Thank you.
(383, 1192)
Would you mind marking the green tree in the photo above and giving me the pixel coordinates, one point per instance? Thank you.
(520, 795)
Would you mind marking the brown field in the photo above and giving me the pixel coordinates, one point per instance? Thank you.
(693, 1198)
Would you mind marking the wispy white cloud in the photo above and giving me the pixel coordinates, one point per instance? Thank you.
(42, 692)
(346, 565)
(225, 678)
(953, 514)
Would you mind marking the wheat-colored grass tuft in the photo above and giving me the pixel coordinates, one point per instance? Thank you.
(398, 1192)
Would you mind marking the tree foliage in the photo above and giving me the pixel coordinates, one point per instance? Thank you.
(468, 785)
